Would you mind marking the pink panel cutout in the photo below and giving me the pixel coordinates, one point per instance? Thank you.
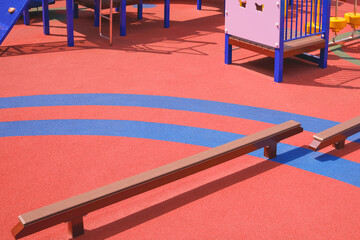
(254, 22)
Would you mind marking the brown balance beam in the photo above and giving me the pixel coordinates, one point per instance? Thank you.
(336, 135)
(73, 209)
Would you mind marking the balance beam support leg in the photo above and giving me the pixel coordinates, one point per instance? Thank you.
(76, 227)
(339, 145)
(270, 150)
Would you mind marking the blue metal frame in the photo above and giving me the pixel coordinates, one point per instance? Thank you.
(97, 13)
(123, 18)
(279, 51)
(325, 25)
(140, 10)
(167, 14)
(26, 16)
(70, 22)
(198, 3)
(45, 14)
(228, 50)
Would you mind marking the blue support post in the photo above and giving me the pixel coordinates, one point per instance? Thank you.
(279, 50)
(117, 9)
(228, 50)
(123, 18)
(26, 16)
(325, 27)
(278, 66)
(198, 4)
(70, 22)
(96, 13)
(166, 13)
(45, 14)
(140, 10)
(76, 10)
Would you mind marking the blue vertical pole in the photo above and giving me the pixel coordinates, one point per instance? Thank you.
(198, 4)
(291, 23)
(76, 10)
(140, 10)
(26, 16)
(306, 17)
(286, 25)
(167, 14)
(315, 17)
(45, 13)
(279, 51)
(123, 18)
(311, 19)
(96, 13)
(117, 9)
(301, 17)
(70, 22)
(228, 50)
(325, 27)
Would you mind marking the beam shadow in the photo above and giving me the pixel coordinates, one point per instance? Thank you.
(176, 202)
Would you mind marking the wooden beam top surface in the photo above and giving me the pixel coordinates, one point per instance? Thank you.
(338, 129)
(131, 182)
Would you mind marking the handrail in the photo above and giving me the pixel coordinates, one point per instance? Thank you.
(73, 209)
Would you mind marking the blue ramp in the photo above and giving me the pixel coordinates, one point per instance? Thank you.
(8, 20)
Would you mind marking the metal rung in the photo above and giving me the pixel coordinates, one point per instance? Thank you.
(103, 16)
(101, 35)
(350, 38)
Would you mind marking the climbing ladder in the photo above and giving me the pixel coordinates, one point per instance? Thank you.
(110, 18)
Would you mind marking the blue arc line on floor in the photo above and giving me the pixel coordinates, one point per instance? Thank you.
(315, 162)
(311, 124)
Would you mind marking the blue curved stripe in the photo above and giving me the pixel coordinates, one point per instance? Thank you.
(311, 124)
(319, 163)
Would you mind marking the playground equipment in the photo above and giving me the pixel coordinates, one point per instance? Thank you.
(314, 24)
(339, 23)
(73, 209)
(33, 4)
(99, 5)
(336, 135)
(110, 18)
(278, 30)
(353, 18)
(11, 10)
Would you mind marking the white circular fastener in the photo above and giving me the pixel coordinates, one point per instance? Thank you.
(277, 24)
(277, 4)
(276, 45)
(226, 12)
(226, 31)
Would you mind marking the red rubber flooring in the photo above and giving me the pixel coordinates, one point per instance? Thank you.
(247, 198)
